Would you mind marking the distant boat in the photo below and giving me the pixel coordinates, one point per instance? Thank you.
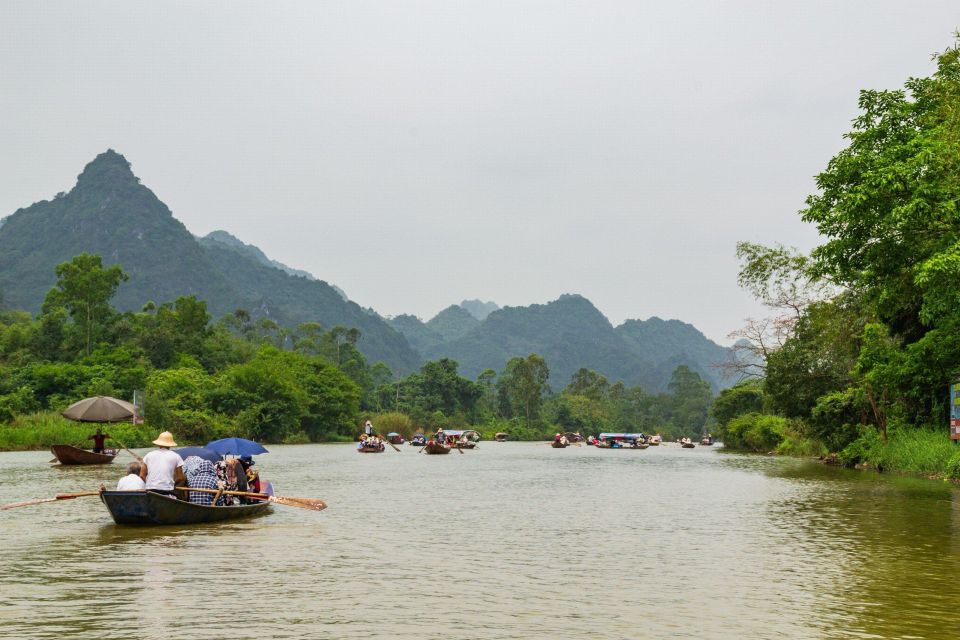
(556, 444)
(500, 436)
(67, 454)
(418, 440)
(621, 441)
(395, 438)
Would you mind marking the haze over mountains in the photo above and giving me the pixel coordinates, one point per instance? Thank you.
(110, 213)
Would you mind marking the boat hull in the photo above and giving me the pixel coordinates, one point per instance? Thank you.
(688, 445)
(370, 450)
(436, 449)
(149, 508)
(67, 454)
(558, 445)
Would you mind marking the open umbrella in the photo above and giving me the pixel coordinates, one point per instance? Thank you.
(236, 447)
(200, 452)
(100, 409)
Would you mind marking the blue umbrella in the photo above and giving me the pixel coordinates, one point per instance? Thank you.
(200, 452)
(236, 447)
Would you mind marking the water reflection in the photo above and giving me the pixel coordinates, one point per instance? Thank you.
(511, 540)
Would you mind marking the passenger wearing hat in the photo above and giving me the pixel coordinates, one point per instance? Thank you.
(162, 469)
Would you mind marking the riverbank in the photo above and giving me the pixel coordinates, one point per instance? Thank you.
(927, 453)
(38, 431)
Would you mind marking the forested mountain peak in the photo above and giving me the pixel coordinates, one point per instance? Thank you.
(111, 214)
(452, 322)
(479, 309)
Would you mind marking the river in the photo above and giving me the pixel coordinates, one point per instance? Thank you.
(511, 540)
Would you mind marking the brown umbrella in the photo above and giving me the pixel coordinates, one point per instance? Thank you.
(100, 409)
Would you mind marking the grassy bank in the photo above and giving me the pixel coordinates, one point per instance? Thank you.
(40, 430)
(926, 452)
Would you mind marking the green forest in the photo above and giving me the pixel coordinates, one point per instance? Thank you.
(855, 360)
(204, 379)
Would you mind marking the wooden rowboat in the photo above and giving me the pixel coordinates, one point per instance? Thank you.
(373, 449)
(150, 508)
(436, 448)
(687, 445)
(556, 444)
(67, 454)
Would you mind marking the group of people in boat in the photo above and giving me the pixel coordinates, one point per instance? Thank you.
(371, 442)
(163, 470)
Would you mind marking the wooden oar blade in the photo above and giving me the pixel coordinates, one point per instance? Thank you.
(312, 504)
(26, 503)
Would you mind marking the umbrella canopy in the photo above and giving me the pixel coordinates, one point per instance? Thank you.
(200, 452)
(100, 409)
(236, 447)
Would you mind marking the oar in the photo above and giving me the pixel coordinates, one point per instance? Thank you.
(387, 440)
(459, 449)
(139, 459)
(312, 504)
(62, 496)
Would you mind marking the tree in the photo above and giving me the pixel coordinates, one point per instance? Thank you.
(524, 382)
(84, 289)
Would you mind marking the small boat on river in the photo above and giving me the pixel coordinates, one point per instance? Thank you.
(500, 436)
(687, 443)
(558, 444)
(462, 438)
(418, 440)
(654, 441)
(436, 448)
(150, 508)
(67, 454)
(621, 441)
(395, 438)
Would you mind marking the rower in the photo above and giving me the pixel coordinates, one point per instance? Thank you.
(98, 439)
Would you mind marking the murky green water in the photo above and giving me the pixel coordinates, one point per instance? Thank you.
(512, 540)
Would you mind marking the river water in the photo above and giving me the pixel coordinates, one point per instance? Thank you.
(511, 540)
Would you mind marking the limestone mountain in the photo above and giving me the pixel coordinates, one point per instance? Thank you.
(110, 213)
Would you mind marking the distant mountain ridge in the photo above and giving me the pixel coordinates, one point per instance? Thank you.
(569, 333)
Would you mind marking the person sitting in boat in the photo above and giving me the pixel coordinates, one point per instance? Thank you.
(162, 468)
(132, 481)
(253, 476)
(200, 475)
(98, 439)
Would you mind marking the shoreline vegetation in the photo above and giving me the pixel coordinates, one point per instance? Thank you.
(855, 362)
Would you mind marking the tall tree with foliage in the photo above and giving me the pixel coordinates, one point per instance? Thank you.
(523, 384)
(84, 288)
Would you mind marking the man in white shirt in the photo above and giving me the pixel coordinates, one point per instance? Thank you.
(132, 481)
(162, 468)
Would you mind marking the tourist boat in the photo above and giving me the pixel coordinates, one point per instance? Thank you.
(436, 448)
(621, 441)
(706, 441)
(573, 437)
(556, 444)
(395, 438)
(654, 441)
(66, 454)
(418, 440)
(463, 438)
(687, 445)
(500, 436)
(376, 447)
(150, 508)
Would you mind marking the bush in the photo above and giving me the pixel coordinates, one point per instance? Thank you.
(384, 423)
(756, 432)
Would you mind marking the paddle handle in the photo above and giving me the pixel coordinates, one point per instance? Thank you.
(70, 496)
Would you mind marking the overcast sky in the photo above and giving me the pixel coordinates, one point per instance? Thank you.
(420, 153)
